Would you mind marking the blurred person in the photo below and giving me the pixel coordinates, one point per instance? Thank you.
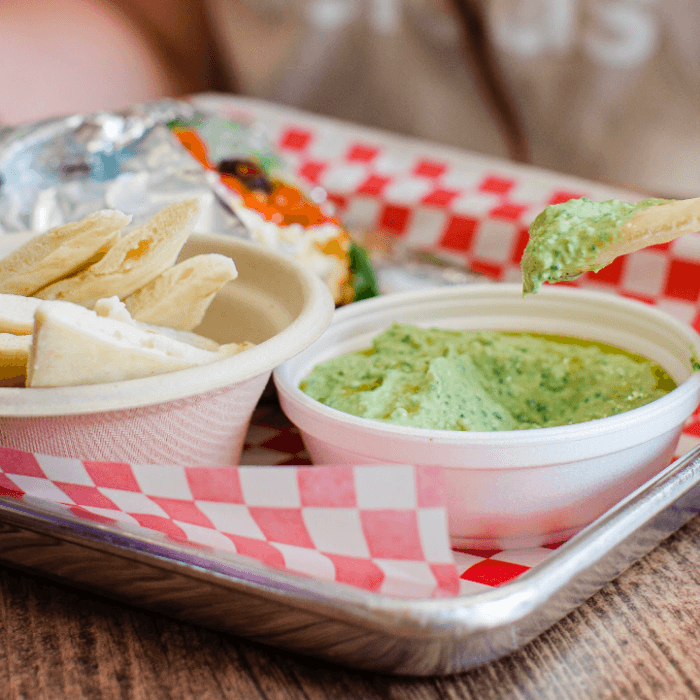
(67, 56)
(604, 89)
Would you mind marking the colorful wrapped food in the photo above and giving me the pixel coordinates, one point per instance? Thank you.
(277, 212)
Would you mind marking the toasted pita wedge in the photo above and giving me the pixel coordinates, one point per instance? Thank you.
(580, 235)
(138, 257)
(14, 349)
(73, 346)
(115, 309)
(657, 224)
(14, 353)
(17, 314)
(180, 296)
(60, 251)
(10, 242)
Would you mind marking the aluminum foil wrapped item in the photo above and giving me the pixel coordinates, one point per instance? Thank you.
(61, 170)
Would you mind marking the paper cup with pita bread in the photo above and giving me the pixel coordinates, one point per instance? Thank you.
(197, 415)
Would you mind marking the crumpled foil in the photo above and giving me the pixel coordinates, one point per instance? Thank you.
(63, 169)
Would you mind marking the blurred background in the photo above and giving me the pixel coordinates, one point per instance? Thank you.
(603, 89)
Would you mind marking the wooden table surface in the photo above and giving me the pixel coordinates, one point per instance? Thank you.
(637, 638)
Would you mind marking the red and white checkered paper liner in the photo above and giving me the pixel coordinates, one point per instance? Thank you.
(381, 528)
(469, 205)
(433, 197)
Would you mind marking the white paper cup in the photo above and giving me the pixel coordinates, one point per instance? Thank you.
(194, 416)
(510, 489)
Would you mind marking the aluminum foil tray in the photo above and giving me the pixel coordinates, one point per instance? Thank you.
(337, 622)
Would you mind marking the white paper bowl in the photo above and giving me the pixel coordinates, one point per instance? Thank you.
(509, 489)
(194, 416)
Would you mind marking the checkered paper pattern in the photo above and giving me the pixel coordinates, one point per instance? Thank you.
(473, 207)
(383, 529)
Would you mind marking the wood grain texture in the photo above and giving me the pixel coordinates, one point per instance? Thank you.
(638, 638)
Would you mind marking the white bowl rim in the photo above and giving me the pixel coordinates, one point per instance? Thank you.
(133, 393)
(514, 438)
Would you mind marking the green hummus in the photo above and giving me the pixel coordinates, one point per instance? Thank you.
(485, 380)
(567, 239)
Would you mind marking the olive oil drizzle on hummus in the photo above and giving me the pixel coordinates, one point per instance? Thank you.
(485, 380)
